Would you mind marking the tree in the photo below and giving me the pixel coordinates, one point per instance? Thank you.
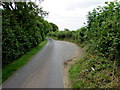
(54, 27)
(22, 27)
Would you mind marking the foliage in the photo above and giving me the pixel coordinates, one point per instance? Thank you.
(23, 27)
(55, 27)
(9, 69)
(101, 39)
(102, 33)
(98, 73)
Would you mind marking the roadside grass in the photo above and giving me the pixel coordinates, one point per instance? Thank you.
(9, 69)
(93, 71)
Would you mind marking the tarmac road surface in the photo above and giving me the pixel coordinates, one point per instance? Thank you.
(45, 69)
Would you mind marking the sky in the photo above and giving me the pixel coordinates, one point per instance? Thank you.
(70, 14)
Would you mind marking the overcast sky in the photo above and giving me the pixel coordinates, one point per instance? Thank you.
(70, 14)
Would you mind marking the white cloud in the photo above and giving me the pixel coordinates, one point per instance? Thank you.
(70, 14)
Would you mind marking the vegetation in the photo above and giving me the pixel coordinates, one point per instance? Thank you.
(9, 69)
(23, 28)
(23, 34)
(101, 39)
(93, 71)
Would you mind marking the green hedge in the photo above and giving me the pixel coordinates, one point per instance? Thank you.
(23, 27)
(102, 33)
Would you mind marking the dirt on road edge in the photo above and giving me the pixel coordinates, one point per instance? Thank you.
(78, 54)
(67, 83)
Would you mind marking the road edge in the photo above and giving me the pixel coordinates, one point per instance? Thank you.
(67, 64)
(27, 56)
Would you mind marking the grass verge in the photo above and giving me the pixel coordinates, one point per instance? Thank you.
(9, 69)
(93, 71)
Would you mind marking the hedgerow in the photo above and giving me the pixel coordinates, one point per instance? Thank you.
(23, 27)
(99, 68)
(102, 33)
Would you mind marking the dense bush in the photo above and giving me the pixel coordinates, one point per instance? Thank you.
(23, 27)
(104, 30)
(102, 33)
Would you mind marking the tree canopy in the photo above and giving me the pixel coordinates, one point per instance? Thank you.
(23, 28)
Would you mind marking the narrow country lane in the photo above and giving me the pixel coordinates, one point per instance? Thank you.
(45, 69)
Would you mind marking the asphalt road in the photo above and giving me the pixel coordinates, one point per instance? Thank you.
(45, 69)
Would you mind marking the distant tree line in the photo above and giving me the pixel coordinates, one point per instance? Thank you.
(23, 27)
